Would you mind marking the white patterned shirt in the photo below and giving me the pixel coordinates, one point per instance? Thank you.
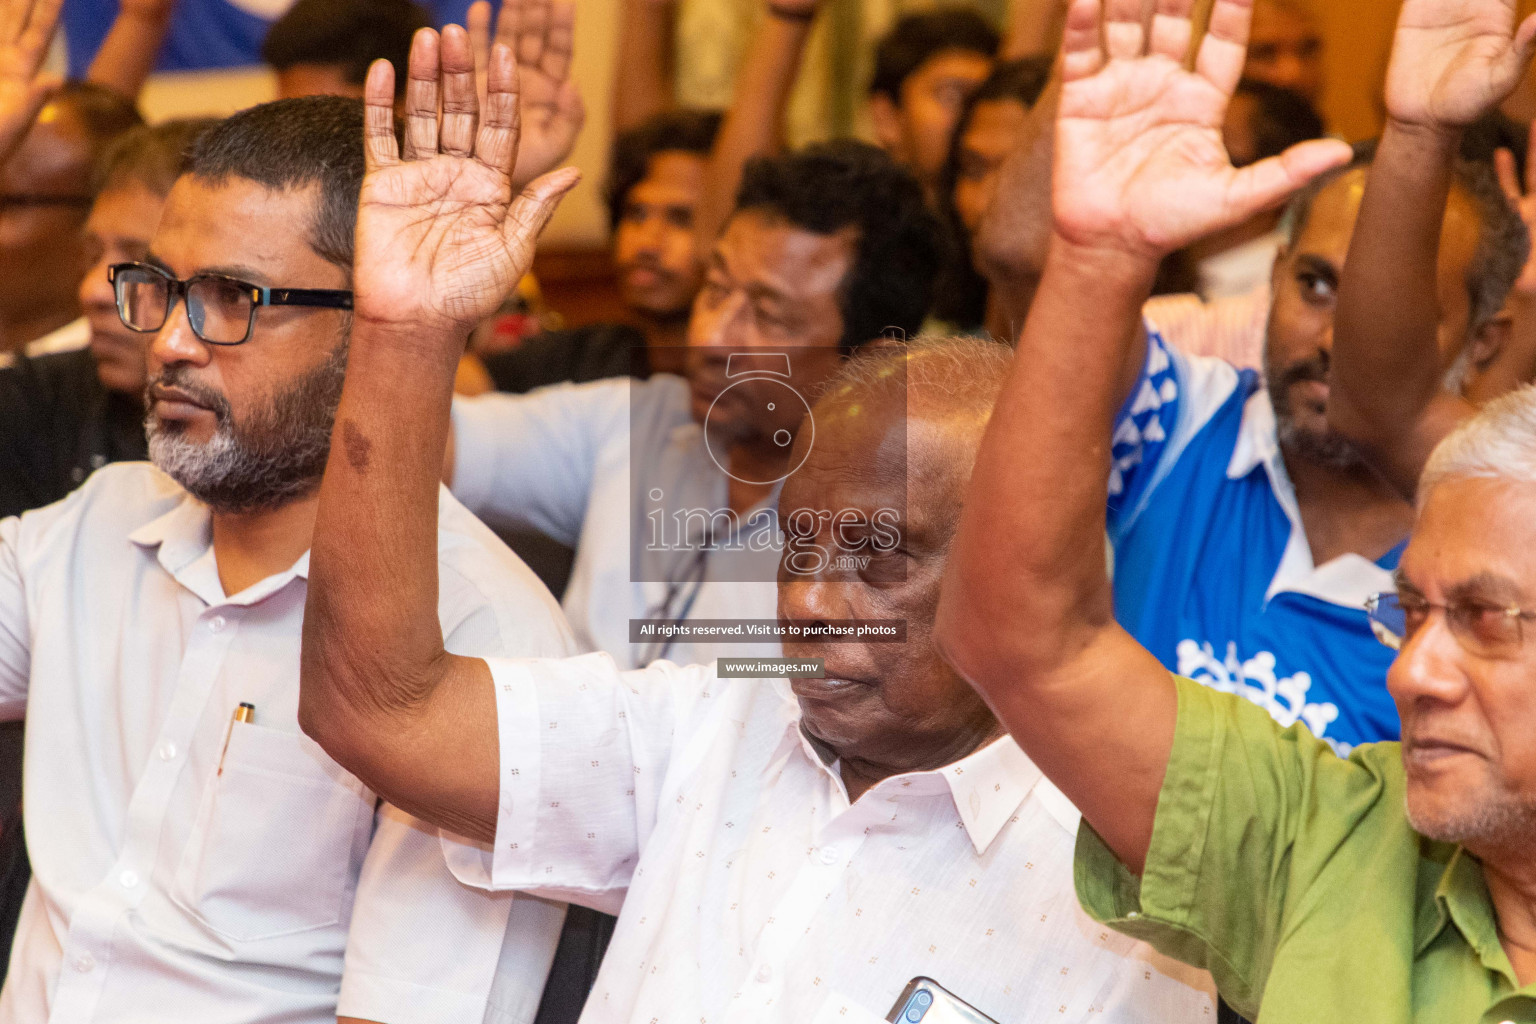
(191, 868)
(753, 891)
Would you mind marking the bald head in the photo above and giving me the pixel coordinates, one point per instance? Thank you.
(868, 520)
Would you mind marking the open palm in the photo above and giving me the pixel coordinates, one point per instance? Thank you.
(442, 235)
(1140, 164)
(1455, 60)
(542, 33)
(26, 29)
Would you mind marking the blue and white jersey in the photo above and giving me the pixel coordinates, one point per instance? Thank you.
(1213, 572)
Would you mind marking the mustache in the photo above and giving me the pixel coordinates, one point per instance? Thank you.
(646, 261)
(177, 377)
(1312, 369)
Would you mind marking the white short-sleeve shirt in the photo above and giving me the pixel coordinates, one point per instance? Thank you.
(189, 867)
(753, 891)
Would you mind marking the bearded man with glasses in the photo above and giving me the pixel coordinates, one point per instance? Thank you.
(194, 854)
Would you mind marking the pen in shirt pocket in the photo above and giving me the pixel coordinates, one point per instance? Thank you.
(244, 713)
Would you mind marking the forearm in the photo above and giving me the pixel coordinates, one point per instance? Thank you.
(1386, 369)
(754, 125)
(1027, 614)
(128, 54)
(1010, 245)
(378, 691)
(1034, 28)
(643, 79)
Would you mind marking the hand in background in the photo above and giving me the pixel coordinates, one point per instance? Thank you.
(1140, 163)
(443, 232)
(542, 33)
(1455, 60)
(26, 29)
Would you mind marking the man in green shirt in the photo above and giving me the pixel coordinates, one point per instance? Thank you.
(1398, 885)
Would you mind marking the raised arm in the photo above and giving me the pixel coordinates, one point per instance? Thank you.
(26, 29)
(127, 55)
(1452, 62)
(1027, 613)
(645, 65)
(754, 125)
(441, 237)
(1034, 28)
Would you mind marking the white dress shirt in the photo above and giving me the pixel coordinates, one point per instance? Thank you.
(577, 462)
(755, 892)
(190, 868)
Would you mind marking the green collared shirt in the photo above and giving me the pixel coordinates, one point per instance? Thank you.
(1295, 878)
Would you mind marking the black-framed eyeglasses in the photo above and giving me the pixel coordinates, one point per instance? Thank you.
(221, 310)
(1484, 629)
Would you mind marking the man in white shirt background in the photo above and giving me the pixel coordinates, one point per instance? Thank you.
(195, 855)
(782, 852)
(828, 248)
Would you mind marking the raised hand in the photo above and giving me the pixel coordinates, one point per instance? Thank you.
(443, 235)
(26, 29)
(542, 33)
(1140, 165)
(1455, 60)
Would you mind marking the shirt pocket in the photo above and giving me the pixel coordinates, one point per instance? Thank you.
(272, 849)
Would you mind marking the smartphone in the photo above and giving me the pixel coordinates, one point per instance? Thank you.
(925, 1001)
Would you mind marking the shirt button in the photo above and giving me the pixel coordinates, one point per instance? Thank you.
(828, 855)
(130, 879)
(765, 974)
(216, 624)
(167, 751)
(85, 963)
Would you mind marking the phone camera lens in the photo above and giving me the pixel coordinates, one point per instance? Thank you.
(915, 1013)
(924, 999)
(918, 1006)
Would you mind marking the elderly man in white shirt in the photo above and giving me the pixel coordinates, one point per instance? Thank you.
(792, 852)
(666, 487)
(196, 856)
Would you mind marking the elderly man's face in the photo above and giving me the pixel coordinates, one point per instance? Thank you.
(245, 426)
(884, 708)
(1468, 706)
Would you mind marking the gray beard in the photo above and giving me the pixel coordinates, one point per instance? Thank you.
(1499, 824)
(274, 457)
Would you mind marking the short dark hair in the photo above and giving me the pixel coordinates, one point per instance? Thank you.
(152, 155)
(1282, 118)
(349, 34)
(1503, 243)
(827, 187)
(105, 115)
(674, 131)
(918, 38)
(296, 143)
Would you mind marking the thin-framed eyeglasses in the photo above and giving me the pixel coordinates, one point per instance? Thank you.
(1485, 629)
(221, 310)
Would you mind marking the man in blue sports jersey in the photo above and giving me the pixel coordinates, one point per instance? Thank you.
(1247, 533)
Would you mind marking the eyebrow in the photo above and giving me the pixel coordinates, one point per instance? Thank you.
(1319, 266)
(243, 273)
(1487, 586)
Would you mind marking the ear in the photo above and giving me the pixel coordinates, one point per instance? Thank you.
(1489, 340)
(885, 116)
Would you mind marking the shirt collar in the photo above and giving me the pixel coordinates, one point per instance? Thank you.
(183, 538)
(1461, 898)
(1345, 581)
(987, 786)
